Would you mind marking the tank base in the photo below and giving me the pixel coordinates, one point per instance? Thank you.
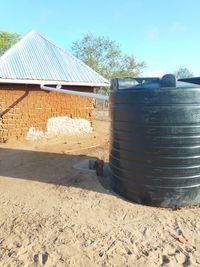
(180, 197)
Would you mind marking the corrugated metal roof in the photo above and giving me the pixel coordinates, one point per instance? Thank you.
(35, 58)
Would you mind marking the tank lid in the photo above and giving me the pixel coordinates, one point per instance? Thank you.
(168, 80)
(194, 80)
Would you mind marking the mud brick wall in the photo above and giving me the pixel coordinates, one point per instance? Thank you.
(26, 106)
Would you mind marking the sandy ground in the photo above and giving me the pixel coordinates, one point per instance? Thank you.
(55, 215)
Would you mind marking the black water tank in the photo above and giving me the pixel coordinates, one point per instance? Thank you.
(155, 141)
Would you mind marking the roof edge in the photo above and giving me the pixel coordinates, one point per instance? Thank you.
(39, 82)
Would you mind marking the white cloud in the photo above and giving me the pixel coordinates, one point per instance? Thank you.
(177, 27)
(152, 33)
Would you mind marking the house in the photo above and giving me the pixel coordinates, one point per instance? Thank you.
(27, 111)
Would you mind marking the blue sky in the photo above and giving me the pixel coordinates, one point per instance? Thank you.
(165, 34)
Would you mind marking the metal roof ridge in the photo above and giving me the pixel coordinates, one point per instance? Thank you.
(72, 56)
(37, 36)
(85, 65)
(15, 46)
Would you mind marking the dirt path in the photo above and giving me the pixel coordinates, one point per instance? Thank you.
(55, 215)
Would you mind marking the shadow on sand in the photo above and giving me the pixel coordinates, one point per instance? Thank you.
(52, 168)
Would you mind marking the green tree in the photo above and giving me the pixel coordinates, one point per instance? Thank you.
(7, 40)
(183, 73)
(105, 57)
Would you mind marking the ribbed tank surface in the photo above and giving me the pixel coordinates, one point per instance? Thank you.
(155, 143)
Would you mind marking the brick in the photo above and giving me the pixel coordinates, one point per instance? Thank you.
(36, 108)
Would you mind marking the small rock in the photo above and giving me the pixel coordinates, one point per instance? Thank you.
(90, 243)
(45, 257)
(100, 254)
(41, 258)
(180, 258)
(10, 253)
(165, 259)
(129, 252)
